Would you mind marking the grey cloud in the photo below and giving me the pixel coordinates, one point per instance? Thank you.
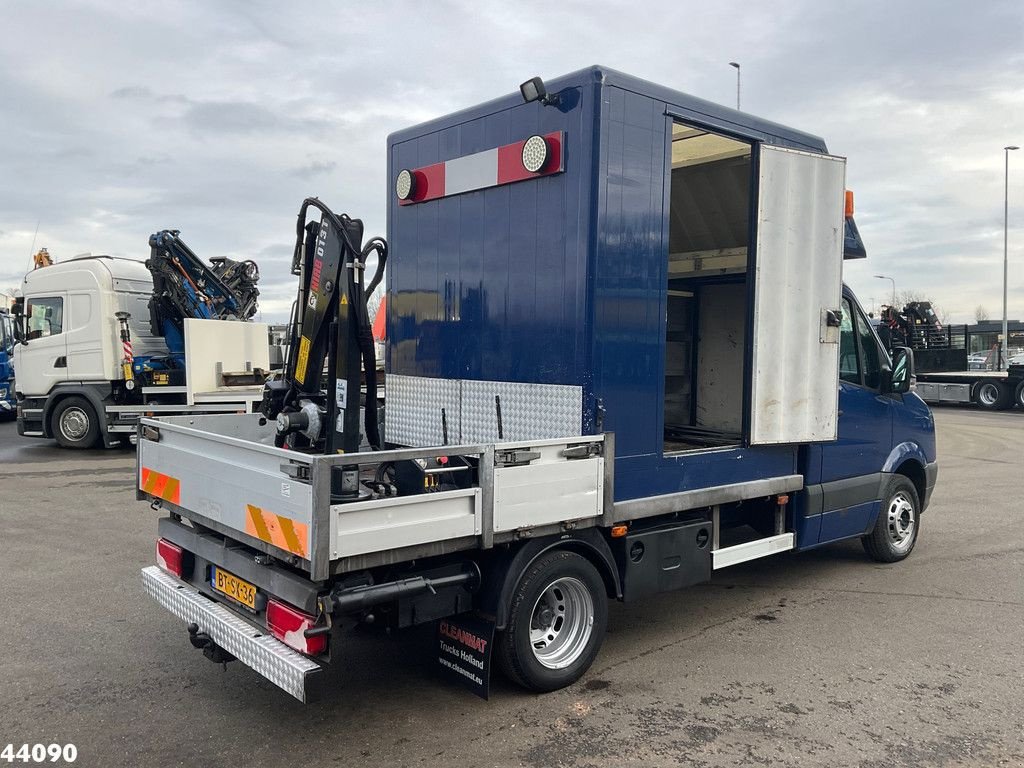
(230, 117)
(275, 250)
(314, 168)
(272, 258)
(132, 92)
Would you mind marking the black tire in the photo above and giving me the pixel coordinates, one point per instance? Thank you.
(1018, 396)
(898, 523)
(555, 588)
(73, 423)
(993, 395)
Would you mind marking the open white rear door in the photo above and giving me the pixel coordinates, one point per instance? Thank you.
(797, 288)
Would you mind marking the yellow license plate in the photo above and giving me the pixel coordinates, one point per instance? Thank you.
(234, 587)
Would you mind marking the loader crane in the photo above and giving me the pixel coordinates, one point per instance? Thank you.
(316, 401)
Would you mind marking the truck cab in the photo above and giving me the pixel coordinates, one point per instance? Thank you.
(880, 434)
(71, 350)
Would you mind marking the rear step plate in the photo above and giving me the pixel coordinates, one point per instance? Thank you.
(258, 650)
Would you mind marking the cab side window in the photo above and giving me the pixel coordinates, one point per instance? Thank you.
(860, 361)
(44, 317)
(849, 359)
(870, 363)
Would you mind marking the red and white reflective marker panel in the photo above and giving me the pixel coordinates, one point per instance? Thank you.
(530, 158)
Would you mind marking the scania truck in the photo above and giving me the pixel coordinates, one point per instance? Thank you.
(620, 357)
(100, 347)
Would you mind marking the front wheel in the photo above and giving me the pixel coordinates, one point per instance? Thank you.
(556, 624)
(899, 519)
(74, 423)
(1019, 396)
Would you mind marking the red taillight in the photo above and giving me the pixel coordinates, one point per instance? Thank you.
(169, 556)
(289, 626)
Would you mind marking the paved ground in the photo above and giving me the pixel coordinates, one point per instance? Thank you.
(820, 659)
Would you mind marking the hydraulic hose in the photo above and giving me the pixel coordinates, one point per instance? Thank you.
(379, 245)
(357, 298)
(366, 348)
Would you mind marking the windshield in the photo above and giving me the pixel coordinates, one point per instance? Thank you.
(6, 333)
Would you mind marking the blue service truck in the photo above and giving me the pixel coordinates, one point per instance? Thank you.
(8, 403)
(620, 357)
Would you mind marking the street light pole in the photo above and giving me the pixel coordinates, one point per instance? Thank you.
(735, 64)
(1004, 347)
(893, 281)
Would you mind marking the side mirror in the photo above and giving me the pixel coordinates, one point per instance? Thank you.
(902, 373)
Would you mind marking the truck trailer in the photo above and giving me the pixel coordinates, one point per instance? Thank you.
(90, 363)
(620, 357)
(942, 369)
(990, 390)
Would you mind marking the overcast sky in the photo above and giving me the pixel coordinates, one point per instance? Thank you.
(217, 118)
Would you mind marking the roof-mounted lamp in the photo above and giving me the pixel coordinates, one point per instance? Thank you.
(534, 90)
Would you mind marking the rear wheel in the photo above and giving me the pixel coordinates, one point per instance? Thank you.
(556, 624)
(992, 395)
(1019, 396)
(895, 531)
(74, 423)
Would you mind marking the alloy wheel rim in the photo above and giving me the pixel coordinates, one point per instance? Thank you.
(74, 424)
(561, 623)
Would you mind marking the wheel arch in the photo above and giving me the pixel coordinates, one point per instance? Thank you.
(62, 392)
(913, 470)
(504, 573)
(909, 459)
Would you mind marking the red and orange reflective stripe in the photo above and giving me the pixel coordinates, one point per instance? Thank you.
(160, 485)
(283, 532)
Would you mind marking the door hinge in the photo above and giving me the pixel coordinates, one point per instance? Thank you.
(831, 321)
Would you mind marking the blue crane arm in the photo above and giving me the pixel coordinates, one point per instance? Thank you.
(184, 286)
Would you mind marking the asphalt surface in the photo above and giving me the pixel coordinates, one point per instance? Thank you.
(817, 659)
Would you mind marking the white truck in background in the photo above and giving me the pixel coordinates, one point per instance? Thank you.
(72, 381)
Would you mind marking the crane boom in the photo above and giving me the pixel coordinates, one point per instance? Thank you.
(186, 287)
(317, 401)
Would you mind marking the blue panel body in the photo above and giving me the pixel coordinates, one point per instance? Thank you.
(8, 402)
(561, 279)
